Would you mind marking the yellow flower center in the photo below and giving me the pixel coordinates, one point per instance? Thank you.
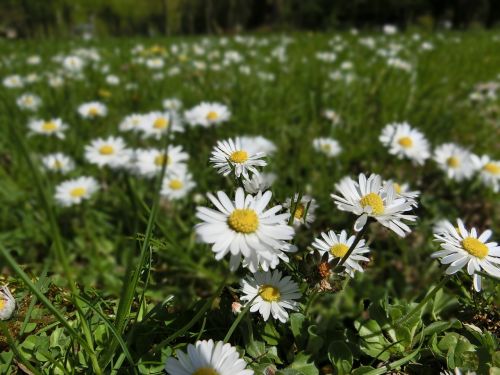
(28, 100)
(269, 293)
(374, 201)
(452, 162)
(339, 250)
(160, 123)
(161, 160)
(397, 187)
(212, 116)
(49, 126)
(475, 247)
(299, 211)
(104, 93)
(78, 192)
(405, 142)
(326, 147)
(205, 371)
(106, 150)
(239, 157)
(93, 111)
(3, 303)
(58, 164)
(243, 220)
(492, 168)
(175, 184)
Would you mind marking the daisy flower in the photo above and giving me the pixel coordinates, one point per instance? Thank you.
(230, 155)
(461, 247)
(259, 182)
(73, 64)
(172, 104)
(133, 122)
(92, 110)
(206, 114)
(177, 185)
(53, 127)
(149, 162)
(328, 146)
(75, 191)
(7, 303)
(111, 151)
(331, 115)
(244, 227)
(207, 358)
(455, 161)
(403, 190)
(256, 144)
(440, 226)
(489, 171)
(58, 162)
(337, 246)
(29, 101)
(13, 81)
(369, 198)
(156, 124)
(271, 294)
(300, 216)
(405, 142)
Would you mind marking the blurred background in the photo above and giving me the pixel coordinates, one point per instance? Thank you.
(46, 18)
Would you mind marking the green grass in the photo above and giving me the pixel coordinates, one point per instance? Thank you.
(116, 284)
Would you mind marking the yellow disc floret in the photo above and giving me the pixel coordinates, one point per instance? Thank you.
(2, 304)
(492, 168)
(161, 160)
(405, 142)
(205, 371)
(239, 157)
(160, 123)
(49, 126)
(374, 201)
(243, 220)
(175, 184)
(212, 116)
(339, 250)
(269, 293)
(453, 162)
(93, 112)
(78, 192)
(106, 150)
(397, 187)
(299, 211)
(475, 247)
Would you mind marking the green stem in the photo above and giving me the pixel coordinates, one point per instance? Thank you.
(353, 246)
(238, 319)
(14, 348)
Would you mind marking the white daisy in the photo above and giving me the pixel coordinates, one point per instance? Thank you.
(461, 247)
(256, 144)
(403, 190)
(111, 151)
(177, 185)
(300, 216)
(76, 190)
(133, 122)
(206, 114)
(337, 246)
(259, 182)
(270, 294)
(92, 110)
(58, 162)
(333, 116)
(455, 161)
(245, 228)
(328, 146)
(7, 303)
(73, 64)
(229, 155)
(405, 142)
(207, 358)
(53, 127)
(149, 162)
(156, 124)
(440, 226)
(489, 171)
(369, 198)
(172, 104)
(30, 102)
(13, 81)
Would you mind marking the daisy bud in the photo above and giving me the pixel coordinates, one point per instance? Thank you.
(7, 303)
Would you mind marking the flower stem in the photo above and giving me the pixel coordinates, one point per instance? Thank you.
(353, 246)
(238, 319)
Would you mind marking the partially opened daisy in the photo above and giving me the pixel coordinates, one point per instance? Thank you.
(229, 155)
(7, 303)
(369, 198)
(304, 210)
(403, 190)
(134, 122)
(54, 127)
(489, 171)
(157, 124)
(111, 151)
(75, 191)
(92, 110)
(245, 229)
(172, 104)
(177, 185)
(256, 144)
(207, 114)
(58, 162)
(259, 182)
(328, 146)
(455, 161)
(149, 162)
(271, 294)
(461, 247)
(405, 142)
(337, 246)
(207, 358)
(30, 102)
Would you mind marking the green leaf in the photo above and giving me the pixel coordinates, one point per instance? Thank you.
(373, 342)
(271, 336)
(340, 357)
(303, 366)
(315, 342)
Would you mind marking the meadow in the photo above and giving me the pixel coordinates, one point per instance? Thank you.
(123, 271)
